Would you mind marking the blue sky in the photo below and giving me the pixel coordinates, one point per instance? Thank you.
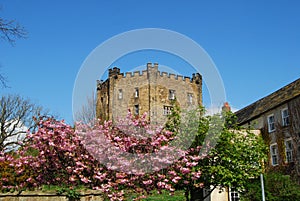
(254, 44)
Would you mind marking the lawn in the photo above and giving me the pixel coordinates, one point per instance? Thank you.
(178, 196)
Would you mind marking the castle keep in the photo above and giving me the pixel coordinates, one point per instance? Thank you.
(148, 91)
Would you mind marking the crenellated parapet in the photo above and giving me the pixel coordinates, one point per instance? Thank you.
(152, 68)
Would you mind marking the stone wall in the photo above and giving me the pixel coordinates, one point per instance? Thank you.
(48, 196)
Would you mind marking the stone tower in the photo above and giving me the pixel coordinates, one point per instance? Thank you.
(148, 91)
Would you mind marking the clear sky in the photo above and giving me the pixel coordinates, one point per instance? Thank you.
(254, 44)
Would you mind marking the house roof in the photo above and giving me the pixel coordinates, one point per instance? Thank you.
(269, 102)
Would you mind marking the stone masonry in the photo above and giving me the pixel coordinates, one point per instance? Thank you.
(148, 91)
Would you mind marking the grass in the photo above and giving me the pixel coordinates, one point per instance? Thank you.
(165, 196)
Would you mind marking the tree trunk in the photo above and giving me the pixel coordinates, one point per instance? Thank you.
(187, 195)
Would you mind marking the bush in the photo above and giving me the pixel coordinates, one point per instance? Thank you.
(278, 187)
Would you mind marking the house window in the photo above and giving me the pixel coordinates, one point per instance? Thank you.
(289, 151)
(271, 123)
(120, 95)
(285, 117)
(172, 94)
(167, 110)
(234, 195)
(136, 92)
(136, 109)
(274, 154)
(190, 98)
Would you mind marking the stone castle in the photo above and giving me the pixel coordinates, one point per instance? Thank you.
(148, 91)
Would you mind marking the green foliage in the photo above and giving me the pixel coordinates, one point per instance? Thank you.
(174, 119)
(164, 195)
(278, 187)
(234, 156)
(10, 175)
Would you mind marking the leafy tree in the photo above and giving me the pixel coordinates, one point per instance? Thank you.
(17, 116)
(278, 187)
(235, 159)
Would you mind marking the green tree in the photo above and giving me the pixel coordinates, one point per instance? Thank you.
(278, 187)
(234, 156)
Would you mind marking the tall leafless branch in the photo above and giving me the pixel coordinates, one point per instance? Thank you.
(87, 113)
(10, 30)
(16, 118)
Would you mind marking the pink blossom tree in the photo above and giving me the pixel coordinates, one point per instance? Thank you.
(130, 155)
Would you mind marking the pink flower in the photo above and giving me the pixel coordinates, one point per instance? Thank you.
(20, 171)
(185, 170)
(85, 180)
(172, 173)
(72, 178)
(148, 182)
(29, 180)
(196, 175)
(120, 175)
(161, 184)
(5, 179)
(2, 159)
(191, 164)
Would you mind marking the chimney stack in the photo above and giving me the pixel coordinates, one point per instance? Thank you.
(226, 107)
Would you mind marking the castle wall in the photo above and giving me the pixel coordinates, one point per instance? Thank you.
(146, 91)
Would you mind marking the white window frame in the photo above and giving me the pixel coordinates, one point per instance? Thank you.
(171, 94)
(120, 94)
(274, 154)
(285, 117)
(136, 109)
(271, 125)
(289, 150)
(234, 195)
(167, 110)
(136, 92)
(190, 98)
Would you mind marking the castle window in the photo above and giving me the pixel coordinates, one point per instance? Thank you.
(274, 154)
(289, 151)
(285, 117)
(120, 95)
(190, 98)
(172, 94)
(167, 110)
(136, 109)
(271, 123)
(136, 92)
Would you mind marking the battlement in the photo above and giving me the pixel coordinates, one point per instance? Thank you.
(153, 68)
(113, 71)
